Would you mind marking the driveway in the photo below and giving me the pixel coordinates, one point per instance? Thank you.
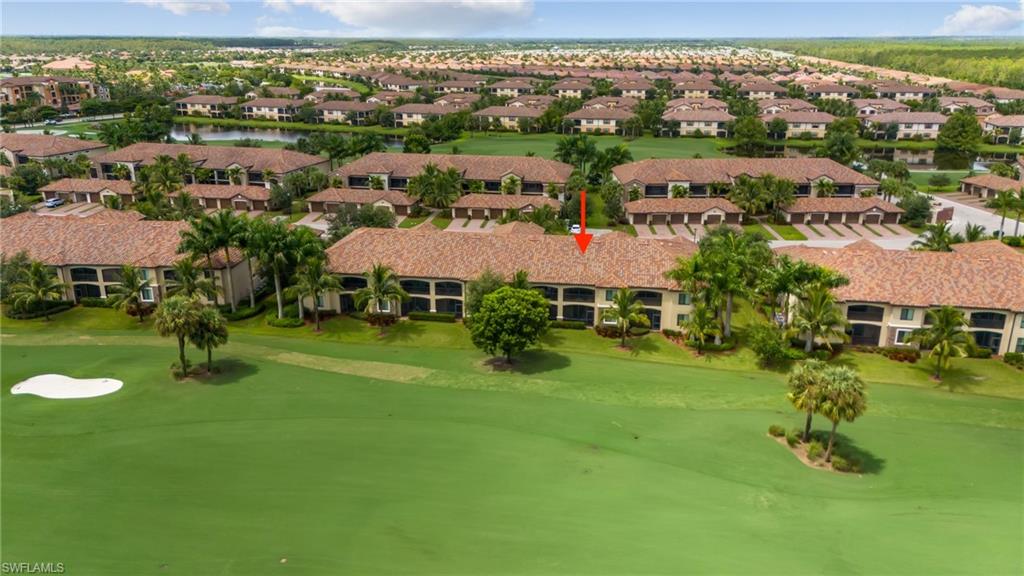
(471, 225)
(964, 214)
(314, 220)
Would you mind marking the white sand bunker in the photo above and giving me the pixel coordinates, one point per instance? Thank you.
(63, 387)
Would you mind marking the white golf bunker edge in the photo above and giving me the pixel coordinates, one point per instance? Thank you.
(60, 387)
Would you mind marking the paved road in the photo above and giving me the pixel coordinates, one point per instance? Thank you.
(964, 214)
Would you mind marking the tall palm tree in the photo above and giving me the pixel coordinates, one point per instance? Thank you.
(198, 241)
(313, 279)
(209, 332)
(701, 325)
(805, 385)
(842, 399)
(1003, 202)
(781, 193)
(127, 295)
(177, 316)
(626, 311)
(190, 281)
(38, 286)
(945, 333)
(228, 232)
(382, 291)
(818, 315)
(748, 194)
(269, 241)
(937, 237)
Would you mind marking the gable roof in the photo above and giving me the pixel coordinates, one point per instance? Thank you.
(215, 157)
(707, 170)
(612, 260)
(855, 204)
(801, 117)
(219, 191)
(472, 167)
(680, 206)
(362, 196)
(505, 201)
(88, 185)
(44, 145)
(510, 112)
(1000, 183)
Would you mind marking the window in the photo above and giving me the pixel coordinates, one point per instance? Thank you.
(109, 275)
(384, 306)
(684, 300)
(901, 337)
(1020, 344)
(682, 319)
(170, 276)
(906, 314)
(609, 295)
(84, 275)
(147, 294)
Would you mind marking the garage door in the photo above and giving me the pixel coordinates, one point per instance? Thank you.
(478, 213)
(461, 212)
(713, 219)
(817, 219)
(872, 218)
(659, 218)
(678, 218)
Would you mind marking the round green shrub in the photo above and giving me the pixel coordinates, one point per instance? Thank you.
(776, 430)
(815, 450)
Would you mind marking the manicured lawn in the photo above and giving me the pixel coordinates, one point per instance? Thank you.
(787, 231)
(920, 179)
(441, 221)
(345, 453)
(411, 222)
(273, 125)
(358, 87)
(503, 143)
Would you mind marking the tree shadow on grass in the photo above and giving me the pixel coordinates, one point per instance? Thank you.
(642, 345)
(225, 371)
(530, 362)
(404, 331)
(851, 452)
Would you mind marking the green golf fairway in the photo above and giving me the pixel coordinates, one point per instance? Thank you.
(319, 457)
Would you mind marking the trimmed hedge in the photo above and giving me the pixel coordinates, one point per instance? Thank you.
(980, 353)
(50, 307)
(776, 431)
(286, 322)
(568, 324)
(244, 313)
(381, 319)
(94, 302)
(447, 317)
(1015, 359)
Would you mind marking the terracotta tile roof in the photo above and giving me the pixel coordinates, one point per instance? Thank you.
(881, 104)
(219, 191)
(528, 228)
(857, 204)
(761, 86)
(963, 101)
(459, 84)
(514, 84)
(993, 182)
(95, 242)
(272, 103)
(572, 84)
(681, 115)
(505, 201)
(600, 114)
(680, 206)
(793, 104)
(346, 106)
(801, 117)
(207, 99)
(612, 260)
(88, 185)
(624, 102)
(831, 89)
(281, 90)
(696, 103)
(510, 112)
(215, 157)
(543, 100)
(42, 145)
(633, 85)
(361, 196)
(457, 99)
(1012, 121)
(425, 109)
(908, 118)
(707, 170)
(473, 167)
(700, 85)
(390, 95)
(982, 277)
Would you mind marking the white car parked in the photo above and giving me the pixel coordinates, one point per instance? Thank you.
(575, 229)
(54, 202)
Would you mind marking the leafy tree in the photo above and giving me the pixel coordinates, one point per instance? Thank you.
(806, 382)
(382, 290)
(509, 321)
(313, 279)
(769, 342)
(38, 285)
(347, 218)
(271, 244)
(416, 143)
(748, 194)
(1000, 169)
(487, 282)
(701, 325)
(127, 296)
(840, 146)
(210, 331)
(818, 315)
(945, 334)
(842, 399)
(579, 150)
(751, 136)
(961, 133)
(510, 185)
(939, 180)
(974, 232)
(28, 178)
(1005, 201)
(13, 271)
(436, 188)
(777, 128)
(178, 316)
(917, 209)
(826, 188)
(520, 280)
(627, 312)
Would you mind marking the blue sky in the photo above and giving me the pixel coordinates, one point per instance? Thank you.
(509, 18)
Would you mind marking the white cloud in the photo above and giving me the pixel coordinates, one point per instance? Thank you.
(971, 19)
(184, 7)
(278, 5)
(421, 17)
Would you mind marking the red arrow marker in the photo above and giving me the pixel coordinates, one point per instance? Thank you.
(583, 239)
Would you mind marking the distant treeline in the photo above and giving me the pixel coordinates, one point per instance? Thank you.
(988, 61)
(89, 44)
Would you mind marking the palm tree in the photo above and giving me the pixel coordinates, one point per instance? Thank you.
(269, 241)
(39, 285)
(127, 296)
(313, 279)
(1020, 211)
(198, 241)
(974, 232)
(209, 332)
(748, 194)
(177, 316)
(945, 333)
(842, 399)
(235, 175)
(520, 280)
(190, 281)
(1003, 202)
(120, 171)
(826, 188)
(937, 237)
(227, 231)
(781, 193)
(626, 311)
(382, 288)
(805, 384)
(700, 325)
(818, 315)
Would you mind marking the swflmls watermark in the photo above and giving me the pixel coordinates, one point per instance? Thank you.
(32, 567)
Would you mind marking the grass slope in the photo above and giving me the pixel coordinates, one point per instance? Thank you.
(504, 143)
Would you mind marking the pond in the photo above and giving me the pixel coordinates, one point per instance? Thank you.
(180, 132)
(915, 159)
